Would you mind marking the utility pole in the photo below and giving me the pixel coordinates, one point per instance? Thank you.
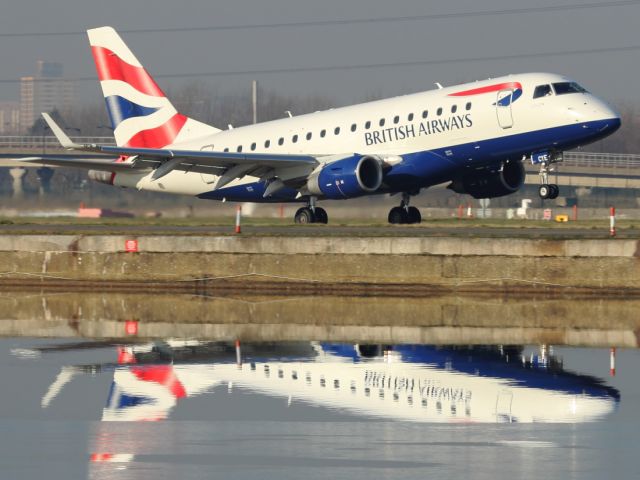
(254, 100)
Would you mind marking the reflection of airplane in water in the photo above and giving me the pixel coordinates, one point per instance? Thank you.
(410, 383)
(414, 383)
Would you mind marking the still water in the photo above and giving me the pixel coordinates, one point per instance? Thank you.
(291, 410)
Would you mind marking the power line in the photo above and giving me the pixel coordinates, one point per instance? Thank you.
(356, 21)
(327, 68)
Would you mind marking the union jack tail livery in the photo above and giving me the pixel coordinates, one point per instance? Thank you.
(141, 114)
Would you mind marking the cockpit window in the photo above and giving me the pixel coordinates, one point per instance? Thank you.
(568, 87)
(542, 91)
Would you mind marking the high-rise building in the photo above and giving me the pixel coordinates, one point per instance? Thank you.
(44, 92)
(9, 118)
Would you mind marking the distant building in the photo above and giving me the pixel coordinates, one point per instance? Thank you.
(9, 118)
(46, 91)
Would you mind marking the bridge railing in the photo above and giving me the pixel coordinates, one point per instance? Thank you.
(571, 159)
(601, 160)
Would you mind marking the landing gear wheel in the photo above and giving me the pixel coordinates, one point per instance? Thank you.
(414, 215)
(398, 215)
(555, 191)
(304, 215)
(544, 191)
(321, 216)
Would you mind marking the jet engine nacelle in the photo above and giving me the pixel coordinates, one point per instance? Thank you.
(491, 183)
(347, 178)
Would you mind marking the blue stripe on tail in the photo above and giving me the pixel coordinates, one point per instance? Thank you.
(121, 109)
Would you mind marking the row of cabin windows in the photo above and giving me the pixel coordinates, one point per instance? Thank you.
(354, 128)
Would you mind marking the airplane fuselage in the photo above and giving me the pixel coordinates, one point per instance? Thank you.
(425, 139)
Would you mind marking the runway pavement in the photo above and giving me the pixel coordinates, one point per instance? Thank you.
(551, 232)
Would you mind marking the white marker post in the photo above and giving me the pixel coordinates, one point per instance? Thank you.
(612, 362)
(238, 217)
(612, 222)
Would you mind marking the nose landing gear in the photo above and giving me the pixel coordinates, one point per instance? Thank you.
(404, 214)
(547, 190)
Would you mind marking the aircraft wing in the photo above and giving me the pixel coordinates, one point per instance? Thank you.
(228, 164)
(86, 163)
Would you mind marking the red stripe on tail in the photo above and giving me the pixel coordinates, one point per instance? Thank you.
(158, 137)
(112, 67)
(162, 374)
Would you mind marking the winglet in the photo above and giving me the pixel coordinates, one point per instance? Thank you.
(62, 137)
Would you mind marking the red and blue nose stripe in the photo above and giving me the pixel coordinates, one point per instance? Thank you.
(515, 87)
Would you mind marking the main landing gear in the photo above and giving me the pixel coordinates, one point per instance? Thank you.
(404, 214)
(311, 213)
(547, 190)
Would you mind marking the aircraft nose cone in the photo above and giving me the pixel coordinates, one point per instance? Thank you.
(615, 124)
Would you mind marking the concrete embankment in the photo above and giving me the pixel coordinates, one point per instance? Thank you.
(374, 265)
(379, 263)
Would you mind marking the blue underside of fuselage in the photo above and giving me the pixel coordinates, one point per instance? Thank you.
(424, 169)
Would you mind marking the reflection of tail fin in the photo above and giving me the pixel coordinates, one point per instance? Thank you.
(141, 115)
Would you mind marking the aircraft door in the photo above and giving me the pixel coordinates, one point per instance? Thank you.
(504, 402)
(208, 178)
(503, 108)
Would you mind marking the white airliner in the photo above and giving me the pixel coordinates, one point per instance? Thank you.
(407, 383)
(473, 136)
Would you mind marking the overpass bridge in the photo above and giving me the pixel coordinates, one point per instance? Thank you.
(579, 169)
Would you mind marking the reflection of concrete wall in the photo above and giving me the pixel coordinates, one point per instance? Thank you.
(439, 320)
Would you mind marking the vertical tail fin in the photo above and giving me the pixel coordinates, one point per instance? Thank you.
(141, 114)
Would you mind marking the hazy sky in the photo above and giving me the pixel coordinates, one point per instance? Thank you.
(613, 75)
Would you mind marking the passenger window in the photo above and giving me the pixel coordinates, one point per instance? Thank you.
(382, 122)
(439, 112)
(239, 149)
(323, 133)
(410, 117)
(454, 109)
(396, 119)
(253, 146)
(267, 144)
(542, 91)
(367, 125)
(281, 141)
(353, 127)
(309, 135)
(425, 114)
(468, 106)
(337, 131)
(294, 139)
(226, 149)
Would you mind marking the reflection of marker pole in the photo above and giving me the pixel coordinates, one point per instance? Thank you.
(612, 221)
(238, 216)
(612, 362)
(238, 354)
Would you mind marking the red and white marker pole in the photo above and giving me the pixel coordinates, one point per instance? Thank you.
(238, 217)
(612, 362)
(238, 354)
(612, 221)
